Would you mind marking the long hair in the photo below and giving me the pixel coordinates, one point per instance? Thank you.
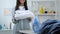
(18, 4)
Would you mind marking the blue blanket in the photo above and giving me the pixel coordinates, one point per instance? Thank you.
(50, 27)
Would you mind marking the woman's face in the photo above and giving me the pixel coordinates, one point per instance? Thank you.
(22, 1)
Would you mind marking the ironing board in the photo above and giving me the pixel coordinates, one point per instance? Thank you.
(27, 31)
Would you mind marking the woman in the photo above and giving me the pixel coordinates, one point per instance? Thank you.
(20, 5)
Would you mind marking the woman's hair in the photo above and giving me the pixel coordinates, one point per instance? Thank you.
(18, 4)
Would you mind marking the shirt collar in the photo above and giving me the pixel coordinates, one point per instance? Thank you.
(21, 8)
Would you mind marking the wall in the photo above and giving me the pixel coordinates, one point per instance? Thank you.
(5, 4)
(58, 8)
(42, 18)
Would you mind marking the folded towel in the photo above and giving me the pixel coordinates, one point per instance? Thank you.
(23, 14)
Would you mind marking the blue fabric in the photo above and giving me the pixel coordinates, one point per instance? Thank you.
(36, 25)
(50, 27)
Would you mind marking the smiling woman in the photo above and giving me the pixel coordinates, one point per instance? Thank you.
(21, 24)
(21, 3)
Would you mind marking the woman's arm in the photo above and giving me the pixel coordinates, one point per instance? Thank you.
(13, 14)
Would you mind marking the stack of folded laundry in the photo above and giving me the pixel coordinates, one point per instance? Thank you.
(23, 14)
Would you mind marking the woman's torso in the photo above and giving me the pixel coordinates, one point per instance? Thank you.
(24, 23)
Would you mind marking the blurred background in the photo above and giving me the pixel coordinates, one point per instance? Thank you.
(43, 9)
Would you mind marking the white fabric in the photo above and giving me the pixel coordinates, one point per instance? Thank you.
(23, 14)
(21, 8)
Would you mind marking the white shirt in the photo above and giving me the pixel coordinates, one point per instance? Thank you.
(21, 8)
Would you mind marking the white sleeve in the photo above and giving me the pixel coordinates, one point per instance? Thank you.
(13, 14)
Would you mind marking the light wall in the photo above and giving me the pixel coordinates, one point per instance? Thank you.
(6, 4)
(58, 9)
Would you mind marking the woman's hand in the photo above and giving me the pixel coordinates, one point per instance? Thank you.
(29, 19)
(14, 19)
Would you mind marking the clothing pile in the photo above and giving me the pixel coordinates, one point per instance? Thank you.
(50, 27)
(23, 14)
